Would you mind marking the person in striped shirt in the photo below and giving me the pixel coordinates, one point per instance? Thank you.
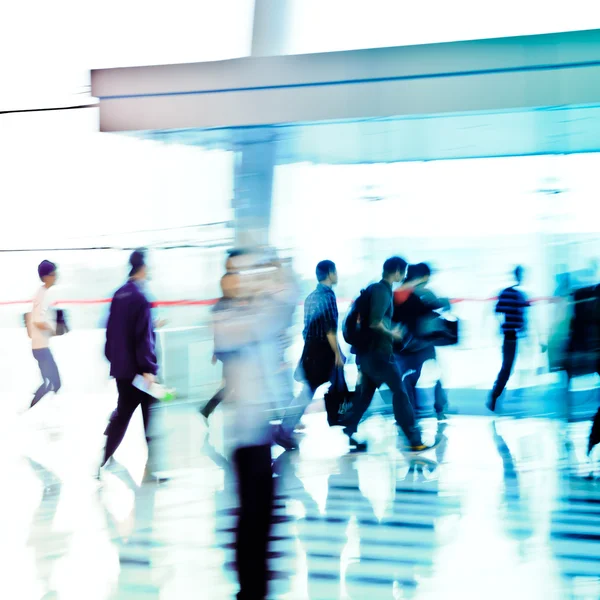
(511, 308)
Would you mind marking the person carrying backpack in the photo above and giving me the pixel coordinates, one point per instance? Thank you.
(369, 330)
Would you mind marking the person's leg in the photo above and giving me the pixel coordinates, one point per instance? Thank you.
(52, 373)
(153, 413)
(509, 352)
(440, 402)
(440, 398)
(256, 492)
(403, 410)
(119, 420)
(410, 381)
(212, 404)
(362, 398)
(296, 409)
(44, 387)
(49, 372)
(595, 431)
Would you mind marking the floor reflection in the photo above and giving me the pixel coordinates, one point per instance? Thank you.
(501, 508)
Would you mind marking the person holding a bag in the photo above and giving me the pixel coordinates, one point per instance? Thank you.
(375, 352)
(42, 325)
(414, 307)
(321, 353)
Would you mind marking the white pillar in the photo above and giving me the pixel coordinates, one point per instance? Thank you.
(270, 28)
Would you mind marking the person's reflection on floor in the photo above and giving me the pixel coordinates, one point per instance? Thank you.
(518, 518)
(226, 514)
(412, 537)
(574, 547)
(307, 519)
(134, 535)
(56, 544)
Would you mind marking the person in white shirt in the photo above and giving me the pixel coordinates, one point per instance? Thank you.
(43, 327)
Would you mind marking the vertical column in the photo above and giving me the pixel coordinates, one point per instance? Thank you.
(270, 28)
(253, 187)
(256, 149)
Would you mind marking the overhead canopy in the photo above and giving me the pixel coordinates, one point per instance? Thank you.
(435, 137)
(486, 75)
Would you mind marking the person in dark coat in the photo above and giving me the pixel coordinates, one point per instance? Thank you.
(414, 304)
(131, 351)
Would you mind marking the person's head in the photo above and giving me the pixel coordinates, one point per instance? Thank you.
(418, 274)
(137, 262)
(245, 266)
(47, 272)
(394, 269)
(519, 273)
(230, 283)
(327, 273)
(234, 258)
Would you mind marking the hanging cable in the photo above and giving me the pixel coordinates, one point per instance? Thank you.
(54, 108)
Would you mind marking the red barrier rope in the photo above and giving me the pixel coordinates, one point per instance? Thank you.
(212, 301)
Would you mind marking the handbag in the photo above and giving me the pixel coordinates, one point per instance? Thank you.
(61, 322)
(338, 399)
(440, 331)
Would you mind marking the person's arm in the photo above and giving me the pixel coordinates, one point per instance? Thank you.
(379, 305)
(434, 302)
(109, 335)
(331, 321)
(144, 342)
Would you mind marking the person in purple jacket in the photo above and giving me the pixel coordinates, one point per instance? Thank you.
(131, 351)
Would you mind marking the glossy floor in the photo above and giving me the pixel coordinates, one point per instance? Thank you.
(501, 509)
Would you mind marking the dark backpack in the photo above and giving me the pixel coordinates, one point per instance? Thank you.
(354, 329)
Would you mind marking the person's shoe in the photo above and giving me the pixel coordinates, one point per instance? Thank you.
(355, 445)
(491, 403)
(103, 468)
(418, 448)
(150, 476)
(441, 416)
(591, 445)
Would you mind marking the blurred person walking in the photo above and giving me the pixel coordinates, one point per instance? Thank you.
(249, 332)
(583, 347)
(415, 303)
(511, 308)
(41, 326)
(376, 356)
(321, 353)
(131, 351)
(229, 294)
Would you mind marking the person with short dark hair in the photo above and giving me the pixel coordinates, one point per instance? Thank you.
(377, 362)
(131, 351)
(414, 303)
(321, 353)
(42, 327)
(511, 305)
